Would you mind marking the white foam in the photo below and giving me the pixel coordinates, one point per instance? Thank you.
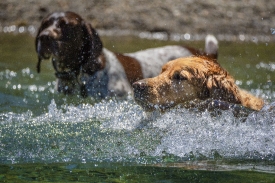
(117, 130)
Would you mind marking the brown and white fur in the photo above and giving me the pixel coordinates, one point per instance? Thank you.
(187, 81)
(84, 67)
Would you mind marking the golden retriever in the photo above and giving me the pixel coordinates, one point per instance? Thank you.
(191, 80)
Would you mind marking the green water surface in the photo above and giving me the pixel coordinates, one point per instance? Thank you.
(250, 64)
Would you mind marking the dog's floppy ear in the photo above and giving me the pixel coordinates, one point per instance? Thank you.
(222, 87)
(92, 39)
(36, 49)
(92, 49)
(36, 38)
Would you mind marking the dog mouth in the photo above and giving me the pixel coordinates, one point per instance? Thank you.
(46, 47)
(144, 101)
(149, 107)
(143, 96)
(151, 100)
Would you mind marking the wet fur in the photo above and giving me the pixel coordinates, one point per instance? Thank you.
(186, 80)
(84, 67)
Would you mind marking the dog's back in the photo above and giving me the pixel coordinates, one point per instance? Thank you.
(152, 60)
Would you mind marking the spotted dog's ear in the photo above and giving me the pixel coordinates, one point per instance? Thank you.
(223, 87)
(92, 49)
(36, 38)
(36, 49)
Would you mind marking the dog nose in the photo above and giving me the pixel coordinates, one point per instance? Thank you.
(141, 90)
(140, 85)
(50, 32)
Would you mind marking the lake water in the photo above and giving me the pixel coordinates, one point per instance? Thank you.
(47, 136)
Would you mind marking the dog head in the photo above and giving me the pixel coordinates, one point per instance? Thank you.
(71, 42)
(184, 80)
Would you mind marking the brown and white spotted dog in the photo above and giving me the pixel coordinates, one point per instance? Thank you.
(84, 67)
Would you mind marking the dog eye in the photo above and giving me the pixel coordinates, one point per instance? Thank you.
(62, 23)
(178, 76)
(46, 24)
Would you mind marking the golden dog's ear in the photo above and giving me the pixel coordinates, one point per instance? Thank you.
(222, 87)
(92, 49)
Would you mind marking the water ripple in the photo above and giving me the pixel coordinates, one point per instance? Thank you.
(121, 131)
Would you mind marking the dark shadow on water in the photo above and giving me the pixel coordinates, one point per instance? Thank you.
(124, 173)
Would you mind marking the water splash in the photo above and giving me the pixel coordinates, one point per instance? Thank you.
(121, 131)
(38, 125)
(267, 66)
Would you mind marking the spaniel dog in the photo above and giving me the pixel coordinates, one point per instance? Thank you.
(82, 66)
(188, 82)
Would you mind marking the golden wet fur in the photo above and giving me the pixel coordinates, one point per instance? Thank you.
(191, 79)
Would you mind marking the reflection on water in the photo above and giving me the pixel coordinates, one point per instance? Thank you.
(38, 125)
(115, 172)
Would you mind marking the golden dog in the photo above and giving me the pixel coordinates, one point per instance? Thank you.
(191, 80)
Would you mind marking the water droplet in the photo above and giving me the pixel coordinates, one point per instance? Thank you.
(21, 29)
(187, 36)
(242, 37)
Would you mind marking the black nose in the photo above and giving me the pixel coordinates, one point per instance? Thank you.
(140, 85)
(141, 89)
(141, 93)
(52, 32)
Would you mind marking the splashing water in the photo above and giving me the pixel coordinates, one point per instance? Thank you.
(39, 125)
(120, 130)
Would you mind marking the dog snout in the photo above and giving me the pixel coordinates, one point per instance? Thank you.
(46, 46)
(140, 85)
(141, 90)
(44, 38)
(52, 32)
